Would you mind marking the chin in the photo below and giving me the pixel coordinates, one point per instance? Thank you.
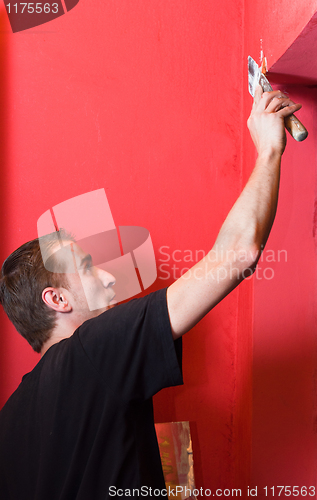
(102, 309)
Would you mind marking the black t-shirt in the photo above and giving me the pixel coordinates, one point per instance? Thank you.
(80, 425)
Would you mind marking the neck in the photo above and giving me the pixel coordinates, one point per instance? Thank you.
(63, 330)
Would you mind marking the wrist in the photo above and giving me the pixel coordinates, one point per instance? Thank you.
(270, 154)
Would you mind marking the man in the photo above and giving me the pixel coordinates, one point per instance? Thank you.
(80, 425)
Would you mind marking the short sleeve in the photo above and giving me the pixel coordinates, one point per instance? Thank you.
(131, 348)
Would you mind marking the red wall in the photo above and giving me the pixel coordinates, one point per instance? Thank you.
(149, 101)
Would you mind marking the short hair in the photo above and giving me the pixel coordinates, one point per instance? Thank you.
(23, 279)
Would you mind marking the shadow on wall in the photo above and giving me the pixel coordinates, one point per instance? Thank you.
(284, 419)
(284, 437)
(3, 170)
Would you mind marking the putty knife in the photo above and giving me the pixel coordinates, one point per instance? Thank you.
(292, 124)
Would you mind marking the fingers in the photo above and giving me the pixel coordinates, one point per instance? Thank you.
(289, 110)
(278, 102)
(274, 102)
(266, 121)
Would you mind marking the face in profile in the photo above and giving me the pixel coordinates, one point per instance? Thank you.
(90, 286)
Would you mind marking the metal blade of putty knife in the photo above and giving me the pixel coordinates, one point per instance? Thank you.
(292, 124)
(257, 77)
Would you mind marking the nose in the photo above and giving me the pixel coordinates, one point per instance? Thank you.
(106, 278)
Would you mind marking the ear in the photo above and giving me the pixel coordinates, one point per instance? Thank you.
(55, 299)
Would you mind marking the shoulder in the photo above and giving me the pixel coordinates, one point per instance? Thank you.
(152, 307)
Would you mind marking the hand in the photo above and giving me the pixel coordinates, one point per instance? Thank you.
(266, 121)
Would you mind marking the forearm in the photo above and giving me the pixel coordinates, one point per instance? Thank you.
(249, 222)
(235, 252)
(247, 226)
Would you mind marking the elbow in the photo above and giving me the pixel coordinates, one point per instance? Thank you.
(239, 255)
(246, 257)
(242, 247)
(249, 246)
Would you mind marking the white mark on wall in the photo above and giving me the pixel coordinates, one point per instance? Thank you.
(261, 51)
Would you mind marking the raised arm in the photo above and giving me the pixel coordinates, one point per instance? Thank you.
(246, 229)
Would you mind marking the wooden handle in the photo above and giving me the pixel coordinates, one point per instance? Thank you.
(292, 124)
(295, 128)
